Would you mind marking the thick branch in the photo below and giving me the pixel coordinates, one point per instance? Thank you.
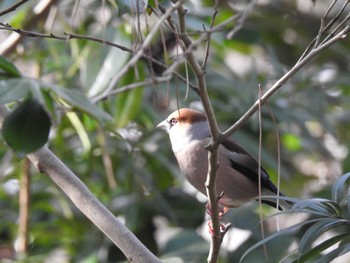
(47, 162)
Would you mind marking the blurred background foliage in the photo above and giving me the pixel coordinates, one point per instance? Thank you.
(129, 165)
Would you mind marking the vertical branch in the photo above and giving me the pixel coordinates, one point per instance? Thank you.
(24, 204)
(215, 137)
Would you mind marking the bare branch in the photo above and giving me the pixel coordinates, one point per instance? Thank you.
(140, 52)
(13, 7)
(207, 48)
(11, 42)
(247, 10)
(215, 138)
(70, 36)
(341, 35)
(147, 82)
(323, 28)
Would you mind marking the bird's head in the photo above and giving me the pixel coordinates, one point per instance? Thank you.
(185, 126)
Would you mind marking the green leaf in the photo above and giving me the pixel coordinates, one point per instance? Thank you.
(81, 102)
(276, 235)
(315, 231)
(13, 89)
(317, 250)
(8, 69)
(339, 251)
(318, 206)
(291, 142)
(128, 106)
(27, 128)
(338, 188)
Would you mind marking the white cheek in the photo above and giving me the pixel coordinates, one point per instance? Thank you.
(183, 135)
(178, 138)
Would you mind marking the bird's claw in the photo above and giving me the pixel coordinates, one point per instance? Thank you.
(223, 229)
(222, 210)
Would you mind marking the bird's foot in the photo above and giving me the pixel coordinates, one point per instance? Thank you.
(222, 210)
(223, 228)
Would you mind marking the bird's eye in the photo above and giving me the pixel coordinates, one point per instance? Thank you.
(173, 121)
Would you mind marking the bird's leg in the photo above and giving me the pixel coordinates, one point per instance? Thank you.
(223, 229)
(222, 211)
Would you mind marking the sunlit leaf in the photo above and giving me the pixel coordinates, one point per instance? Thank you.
(339, 251)
(291, 142)
(81, 102)
(323, 225)
(8, 69)
(317, 250)
(13, 90)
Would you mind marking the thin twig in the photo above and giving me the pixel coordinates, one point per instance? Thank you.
(323, 29)
(247, 10)
(203, 38)
(139, 53)
(147, 82)
(13, 7)
(341, 35)
(207, 48)
(98, 40)
(336, 29)
(32, 17)
(322, 24)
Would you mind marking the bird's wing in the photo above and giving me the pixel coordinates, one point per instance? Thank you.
(243, 162)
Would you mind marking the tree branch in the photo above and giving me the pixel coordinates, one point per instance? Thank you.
(11, 42)
(13, 7)
(70, 36)
(140, 52)
(47, 162)
(215, 138)
(313, 53)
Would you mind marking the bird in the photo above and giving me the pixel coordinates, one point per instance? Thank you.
(237, 173)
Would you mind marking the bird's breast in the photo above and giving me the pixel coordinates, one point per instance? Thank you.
(193, 162)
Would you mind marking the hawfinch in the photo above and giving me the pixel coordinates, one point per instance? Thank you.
(237, 174)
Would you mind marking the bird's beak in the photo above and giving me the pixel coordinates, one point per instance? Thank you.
(163, 126)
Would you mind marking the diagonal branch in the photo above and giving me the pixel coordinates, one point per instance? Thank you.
(13, 7)
(341, 35)
(140, 52)
(39, 11)
(47, 162)
(70, 36)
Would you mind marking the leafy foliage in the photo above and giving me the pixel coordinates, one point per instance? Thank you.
(325, 216)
